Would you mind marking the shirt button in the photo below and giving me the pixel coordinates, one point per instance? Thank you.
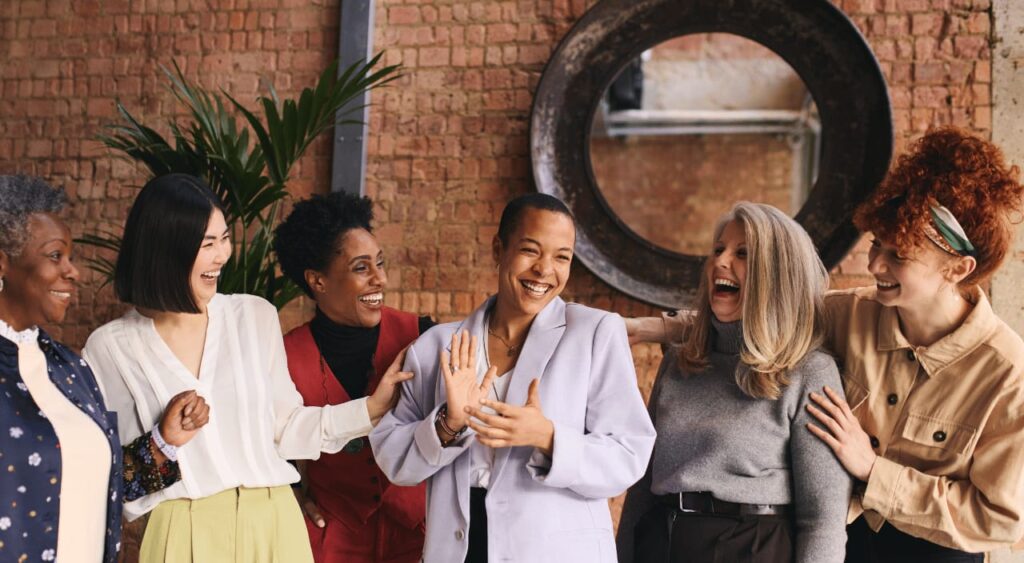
(874, 442)
(892, 399)
(459, 534)
(910, 356)
(939, 436)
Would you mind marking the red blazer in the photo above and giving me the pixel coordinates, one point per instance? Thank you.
(350, 486)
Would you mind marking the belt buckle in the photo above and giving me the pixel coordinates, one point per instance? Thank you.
(683, 508)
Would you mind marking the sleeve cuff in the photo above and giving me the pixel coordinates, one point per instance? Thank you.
(429, 443)
(345, 422)
(563, 467)
(883, 484)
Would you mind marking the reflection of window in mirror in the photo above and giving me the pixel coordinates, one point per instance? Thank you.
(695, 124)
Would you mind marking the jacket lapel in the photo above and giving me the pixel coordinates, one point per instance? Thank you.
(474, 324)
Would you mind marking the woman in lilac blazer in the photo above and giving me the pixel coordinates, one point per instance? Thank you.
(525, 417)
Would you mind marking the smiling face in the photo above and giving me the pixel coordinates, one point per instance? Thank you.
(908, 281)
(533, 267)
(39, 283)
(726, 271)
(351, 290)
(214, 252)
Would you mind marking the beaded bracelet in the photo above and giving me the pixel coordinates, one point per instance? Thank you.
(169, 451)
(442, 416)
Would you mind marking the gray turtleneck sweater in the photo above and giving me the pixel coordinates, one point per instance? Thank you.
(712, 437)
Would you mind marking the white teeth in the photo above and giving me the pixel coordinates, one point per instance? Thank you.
(372, 298)
(62, 294)
(727, 283)
(210, 275)
(885, 285)
(535, 288)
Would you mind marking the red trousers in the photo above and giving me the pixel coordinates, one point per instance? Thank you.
(380, 540)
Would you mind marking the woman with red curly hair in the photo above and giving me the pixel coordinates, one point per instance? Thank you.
(933, 421)
(932, 426)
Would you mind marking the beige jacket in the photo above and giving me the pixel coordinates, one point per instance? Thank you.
(947, 422)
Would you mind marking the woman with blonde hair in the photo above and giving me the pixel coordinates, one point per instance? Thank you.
(735, 475)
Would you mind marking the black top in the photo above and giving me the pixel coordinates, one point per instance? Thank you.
(349, 350)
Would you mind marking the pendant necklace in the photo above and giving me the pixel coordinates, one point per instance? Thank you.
(511, 349)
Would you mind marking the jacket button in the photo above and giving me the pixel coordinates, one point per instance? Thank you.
(939, 436)
(459, 534)
(910, 356)
(672, 313)
(892, 399)
(874, 442)
(374, 479)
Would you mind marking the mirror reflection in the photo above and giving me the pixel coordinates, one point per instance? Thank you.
(695, 124)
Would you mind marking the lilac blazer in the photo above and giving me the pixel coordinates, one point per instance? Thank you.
(539, 509)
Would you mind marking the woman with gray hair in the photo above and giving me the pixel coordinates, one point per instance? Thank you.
(735, 476)
(65, 471)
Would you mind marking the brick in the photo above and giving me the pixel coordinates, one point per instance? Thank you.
(403, 15)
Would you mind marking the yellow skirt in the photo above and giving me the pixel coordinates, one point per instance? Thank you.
(261, 525)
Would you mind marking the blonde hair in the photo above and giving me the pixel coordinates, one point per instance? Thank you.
(782, 302)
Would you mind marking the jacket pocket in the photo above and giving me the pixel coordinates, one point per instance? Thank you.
(593, 544)
(940, 433)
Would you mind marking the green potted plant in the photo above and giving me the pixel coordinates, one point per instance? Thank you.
(246, 164)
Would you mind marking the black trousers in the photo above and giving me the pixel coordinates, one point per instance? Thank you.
(890, 545)
(665, 535)
(477, 526)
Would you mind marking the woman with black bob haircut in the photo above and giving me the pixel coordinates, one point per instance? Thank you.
(233, 502)
(66, 471)
(523, 418)
(326, 246)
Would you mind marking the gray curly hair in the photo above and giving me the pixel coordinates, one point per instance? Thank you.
(20, 197)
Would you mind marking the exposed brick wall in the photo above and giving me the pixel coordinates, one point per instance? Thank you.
(667, 188)
(448, 143)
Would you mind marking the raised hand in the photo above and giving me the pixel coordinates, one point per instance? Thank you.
(185, 414)
(514, 426)
(385, 396)
(459, 371)
(844, 435)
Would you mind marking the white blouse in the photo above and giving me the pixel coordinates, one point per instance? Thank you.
(257, 419)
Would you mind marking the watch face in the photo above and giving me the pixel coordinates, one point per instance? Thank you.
(354, 446)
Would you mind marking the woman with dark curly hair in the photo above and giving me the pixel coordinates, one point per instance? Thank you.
(327, 247)
(932, 426)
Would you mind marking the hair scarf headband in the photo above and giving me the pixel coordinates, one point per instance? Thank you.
(945, 231)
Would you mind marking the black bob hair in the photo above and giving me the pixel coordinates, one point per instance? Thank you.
(162, 236)
(308, 238)
(513, 212)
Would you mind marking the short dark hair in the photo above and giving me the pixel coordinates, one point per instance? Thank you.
(307, 238)
(162, 236)
(514, 212)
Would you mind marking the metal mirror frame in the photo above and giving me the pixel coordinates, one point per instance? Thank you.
(821, 44)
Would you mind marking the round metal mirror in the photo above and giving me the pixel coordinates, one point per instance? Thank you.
(653, 116)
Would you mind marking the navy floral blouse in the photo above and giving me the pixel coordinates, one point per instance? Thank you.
(30, 462)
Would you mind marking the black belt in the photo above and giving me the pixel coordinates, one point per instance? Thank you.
(706, 503)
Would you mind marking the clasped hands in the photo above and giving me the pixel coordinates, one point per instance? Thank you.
(510, 425)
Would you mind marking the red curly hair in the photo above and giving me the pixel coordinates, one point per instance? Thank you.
(964, 173)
